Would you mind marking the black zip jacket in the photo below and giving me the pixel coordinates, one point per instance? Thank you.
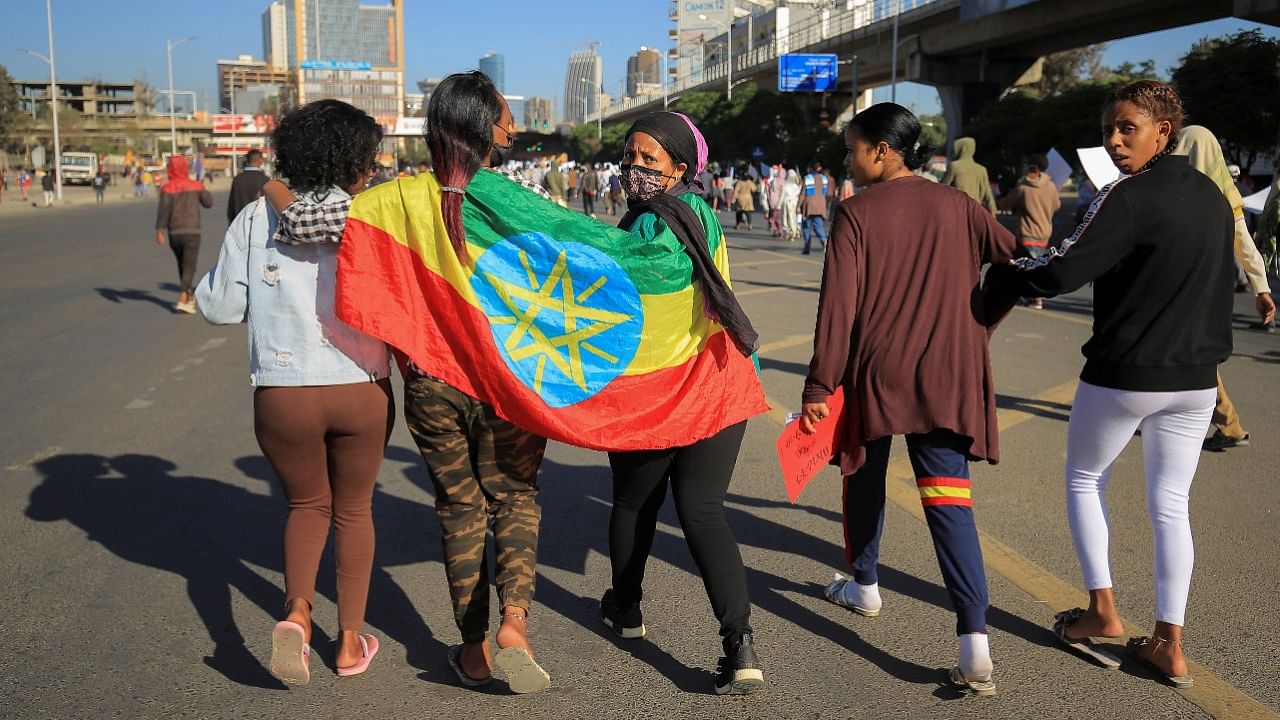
(1158, 247)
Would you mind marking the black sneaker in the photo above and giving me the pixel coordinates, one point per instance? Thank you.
(1220, 441)
(627, 621)
(739, 673)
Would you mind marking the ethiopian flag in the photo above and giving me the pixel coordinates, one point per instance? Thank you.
(569, 328)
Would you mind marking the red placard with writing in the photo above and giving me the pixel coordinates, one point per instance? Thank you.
(802, 456)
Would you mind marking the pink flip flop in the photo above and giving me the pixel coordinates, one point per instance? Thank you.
(290, 654)
(369, 648)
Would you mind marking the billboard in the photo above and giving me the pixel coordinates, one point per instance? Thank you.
(243, 124)
(802, 72)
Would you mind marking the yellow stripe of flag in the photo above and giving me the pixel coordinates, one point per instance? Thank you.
(943, 491)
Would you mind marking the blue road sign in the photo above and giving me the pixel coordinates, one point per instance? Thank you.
(757, 153)
(800, 72)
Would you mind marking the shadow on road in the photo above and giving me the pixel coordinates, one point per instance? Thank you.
(114, 295)
(206, 530)
(1032, 406)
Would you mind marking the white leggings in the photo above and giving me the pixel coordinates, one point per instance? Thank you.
(1173, 427)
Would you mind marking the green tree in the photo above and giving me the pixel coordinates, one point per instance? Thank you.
(1231, 85)
(1067, 69)
(10, 112)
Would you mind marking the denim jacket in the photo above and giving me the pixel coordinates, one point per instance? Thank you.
(285, 293)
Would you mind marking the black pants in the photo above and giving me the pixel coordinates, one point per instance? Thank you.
(742, 216)
(589, 203)
(699, 475)
(186, 249)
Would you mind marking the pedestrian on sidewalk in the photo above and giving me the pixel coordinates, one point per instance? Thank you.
(1158, 249)
(322, 403)
(1034, 201)
(100, 181)
(1205, 154)
(663, 157)
(178, 215)
(813, 206)
(47, 184)
(906, 242)
(777, 179)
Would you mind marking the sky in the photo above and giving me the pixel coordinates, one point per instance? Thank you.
(122, 40)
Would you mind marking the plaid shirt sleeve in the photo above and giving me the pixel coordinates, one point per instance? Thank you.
(518, 179)
(305, 223)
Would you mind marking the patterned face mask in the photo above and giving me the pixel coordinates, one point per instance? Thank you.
(642, 183)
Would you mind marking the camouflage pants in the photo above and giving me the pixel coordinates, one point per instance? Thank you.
(481, 466)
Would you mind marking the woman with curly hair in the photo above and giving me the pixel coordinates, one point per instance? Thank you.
(1157, 245)
(323, 406)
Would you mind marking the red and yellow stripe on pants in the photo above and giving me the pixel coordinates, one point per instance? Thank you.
(936, 491)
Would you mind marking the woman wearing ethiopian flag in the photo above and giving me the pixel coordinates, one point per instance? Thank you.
(662, 160)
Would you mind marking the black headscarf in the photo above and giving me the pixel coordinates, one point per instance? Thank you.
(677, 136)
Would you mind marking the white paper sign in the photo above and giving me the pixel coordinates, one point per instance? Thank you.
(1059, 169)
(1255, 202)
(1098, 166)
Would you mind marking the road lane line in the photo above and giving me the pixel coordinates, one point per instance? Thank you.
(761, 263)
(784, 343)
(1211, 693)
(1058, 315)
(44, 454)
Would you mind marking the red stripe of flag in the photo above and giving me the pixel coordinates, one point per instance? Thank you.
(946, 500)
(943, 482)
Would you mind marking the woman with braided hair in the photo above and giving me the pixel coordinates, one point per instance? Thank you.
(1157, 245)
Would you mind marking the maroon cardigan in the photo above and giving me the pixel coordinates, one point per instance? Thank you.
(900, 319)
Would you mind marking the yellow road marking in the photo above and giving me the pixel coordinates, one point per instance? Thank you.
(762, 263)
(1058, 315)
(784, 343)
(764, 290)
(1211, 693)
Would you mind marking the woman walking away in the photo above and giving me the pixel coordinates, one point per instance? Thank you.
(322, 403)
(1157, 246)
(905, 242)
(743, 199)
(179, 216)
(663, 158)
(483, 468)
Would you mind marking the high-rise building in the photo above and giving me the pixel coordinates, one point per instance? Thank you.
(495, 66)
(644, 73)
(342, 49)
(275, 35)
(537, 114)
(582, 85)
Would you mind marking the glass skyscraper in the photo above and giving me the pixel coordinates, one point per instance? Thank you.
(495, 66)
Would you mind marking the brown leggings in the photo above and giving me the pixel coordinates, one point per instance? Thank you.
(325, 444)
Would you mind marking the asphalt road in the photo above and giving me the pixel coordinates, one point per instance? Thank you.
(141, 530)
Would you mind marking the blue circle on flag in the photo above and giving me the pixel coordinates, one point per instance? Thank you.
(566, 317)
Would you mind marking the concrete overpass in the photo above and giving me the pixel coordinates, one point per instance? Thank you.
(969, 61)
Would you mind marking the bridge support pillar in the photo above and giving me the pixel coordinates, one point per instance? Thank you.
(961, 101)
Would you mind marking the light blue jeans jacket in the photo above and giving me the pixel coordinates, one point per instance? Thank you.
(285, 294)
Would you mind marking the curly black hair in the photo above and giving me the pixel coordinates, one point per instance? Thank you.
(325, 143)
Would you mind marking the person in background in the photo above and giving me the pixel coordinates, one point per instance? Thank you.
(744, 193)
(553, 180)
(178, 214)
(904, 242)
(1084, 198)
(813, 207)
(24, 182)
(1034, 201)
(777, 179)
(791, 189)
(969, 177)
(590, 189)
(47, 185)
(572, 179)
(100, 180)
(1205, 154)
(247, 186)
(322, 404)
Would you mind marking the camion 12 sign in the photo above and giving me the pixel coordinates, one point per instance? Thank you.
(799, 72)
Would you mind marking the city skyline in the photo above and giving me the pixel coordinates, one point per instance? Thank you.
(536, 50)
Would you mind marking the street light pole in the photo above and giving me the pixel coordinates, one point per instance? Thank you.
(728, 90)
(665, 101)
(169, 45)
(53, 102)
(893, 93)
